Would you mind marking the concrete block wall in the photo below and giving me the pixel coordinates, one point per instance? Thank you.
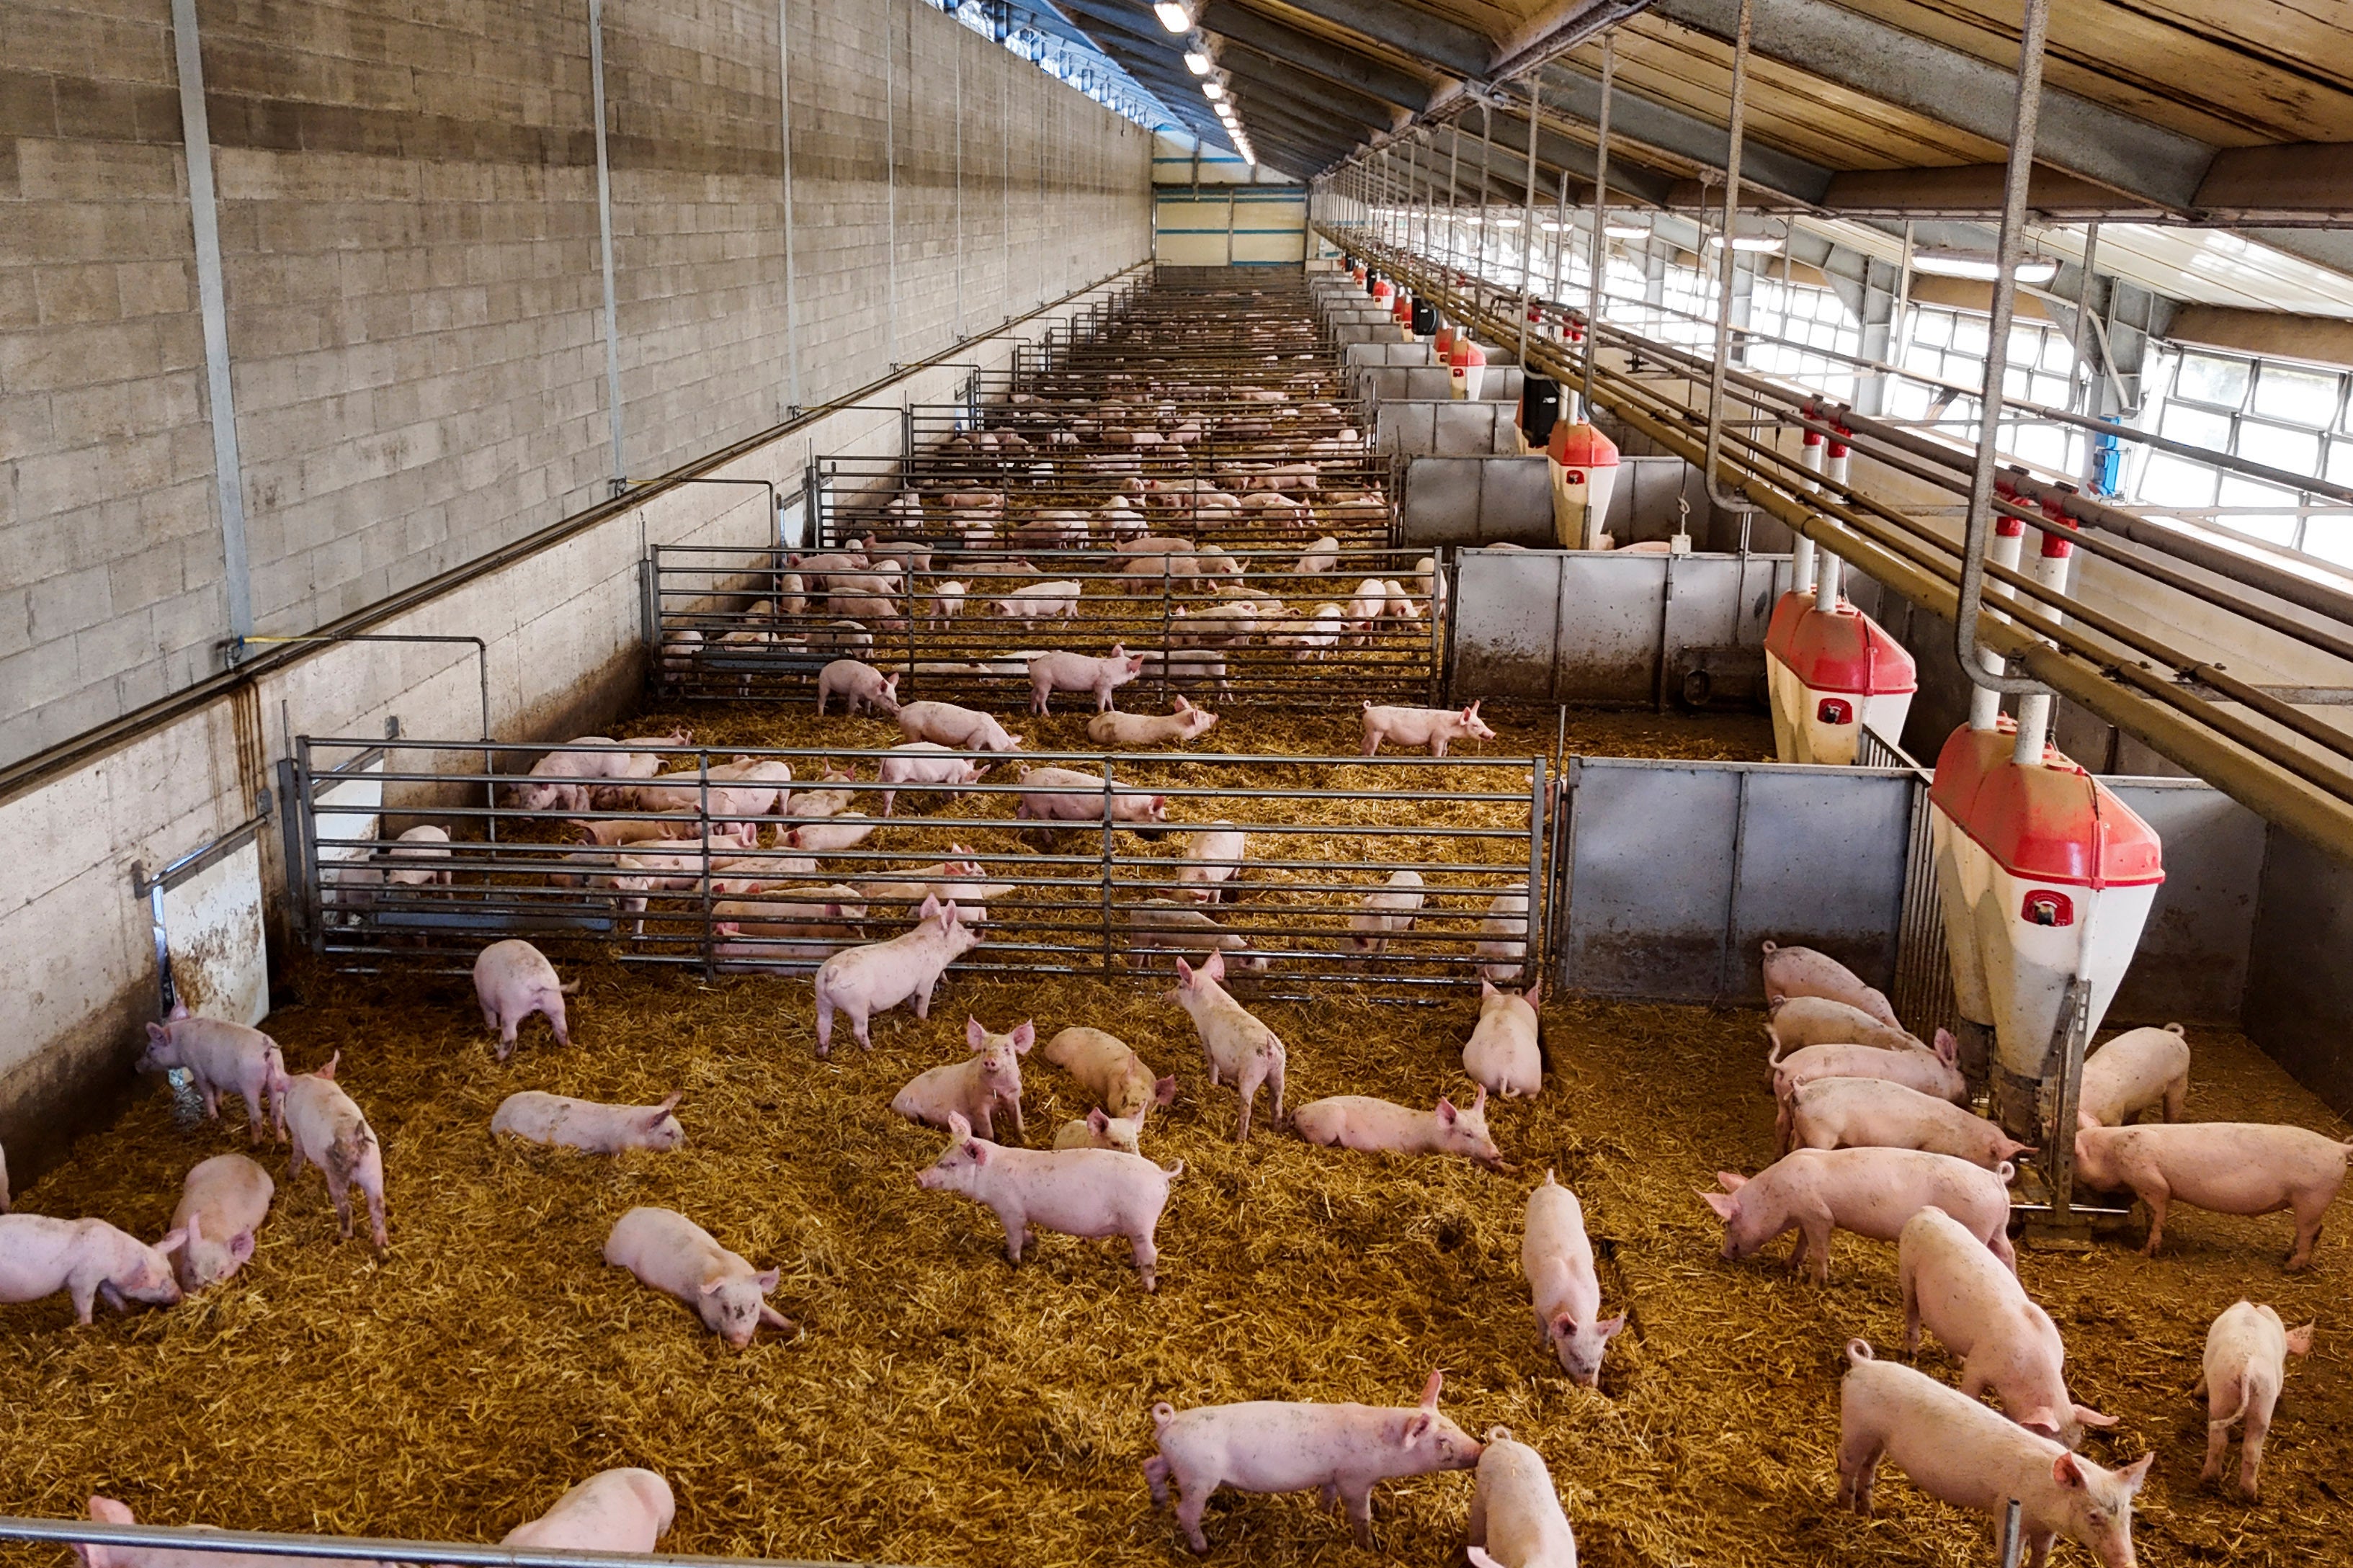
(415, 300)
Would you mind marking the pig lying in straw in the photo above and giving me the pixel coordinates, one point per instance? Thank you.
(1796, 1021)
(1872, 1112)
(1124, 1090)
(1930, 1072)
(1377, 1126)
(1087, 1193)
(976, 1088)
(537, 1117)
(671, 1253)
(1278, 1446)
(612, 1510)
(1802, 972)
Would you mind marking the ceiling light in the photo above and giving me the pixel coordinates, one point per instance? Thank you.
(1507, 223)
(1197, 62)
(1212, 90)
(1749, 242)
(1981, 266)
(1173, 16)
(1626, 229)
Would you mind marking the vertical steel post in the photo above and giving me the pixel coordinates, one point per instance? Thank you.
(1529, 216)
(1106, 867)
(1601, 224)
(1730, 501)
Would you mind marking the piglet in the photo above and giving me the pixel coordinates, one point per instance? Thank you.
(1959, 1452)
(965, 729)
(2246, 1362)
(1930, 1072)
(922, 762)
(864, 980)
(1182, 723)
(107, 1510)
(1066, 794)
(612, 1510)
(1502, 949)
(1517, 1519)
(1106, 1068)
(87, 1258)
(222, 1204)
(859, 686)
(329, 1131)
(976, 1088)
(513, 980)
(537, 1117)
(1237, 1044)
(1164, 925)
(2006, 1342)
(1873, 1113)
(2228, 1167)
(416, 851)
(1803, 972)
(1387, 913)
(1087, 1193)
(671, 1253)
(1361, 1121)
(1275, 1446)
(2139, 1070)
(1567, 1295)
(1052, 672)
(1871, 1191)
(1213, 856)
(222, 1057)
(1796, 1021)
(828, 835)
(1502, 1053)
(1099, 1129)
(1436, 727)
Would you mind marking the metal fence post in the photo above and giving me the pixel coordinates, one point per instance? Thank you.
(1106, 867)
(1539, 797)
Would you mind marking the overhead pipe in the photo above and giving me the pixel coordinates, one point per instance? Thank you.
(1730, 501)
(1528, 222)
(1600, 241)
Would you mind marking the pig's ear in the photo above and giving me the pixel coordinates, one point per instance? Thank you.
(712, 1286)
(931, 907)
(240, 1247)
(1479, 1558)
(975, 1034)
(1486, 988)
(2085, 1120)
(1948, 1049)
(1025, 1037)
(948, 916)
(1181, 706)
(1185, 974)
(1535, 997)
(2299, 1341)
(1099, 1121)
(2068, 1471)
(766, 1280)
(1446, 1111)
(1479, 1100)
(1722, 1202)
(196, 1231)
(1163, 1092)
(179, 1008)
(1417, 1429)
(106, 1510)
(1216, 968)
(1609, 1327)
(157, 1033)
(328, 1071)
(668, 1105)
(958, 1128)
(2134, 1475)
(1731, 1181)
(1429, 1390)
(174, 1240)
(1563, 1325)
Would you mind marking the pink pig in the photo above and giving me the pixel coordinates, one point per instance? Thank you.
(1557, 1261)
(107, 1510)
(923, 761)
(331, 1133)
(1502, 1053)
(87, 1258)
(859, 686)
(1930, 1072)
(222, 1204)
(1802, 972)
(1872, 1112)
(1871, 1191)
(1236, 1042)
(513, 980)
(976, 1088)
(612, 1510)
(2139, 1070)
(671, 1253)
(1087, 1193)
(2006, 1342)
(864, 980)
(1361, 1121)
(222, 1057)
(1052, 672)
(1959, 1452)
(1066, 794)
(1517, 1519)
(1436, 727)
(1183, 722)
(965, 729)
(1795, 1022)
(2244, 1365)
(559, 1120)
(1277, 1446)
(2228, 1167)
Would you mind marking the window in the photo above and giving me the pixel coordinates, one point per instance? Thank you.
(1803, 313)
(1948, 345)
(2284, 416)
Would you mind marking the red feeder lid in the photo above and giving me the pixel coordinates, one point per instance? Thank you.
(1786, 610)
(1581, 446)
(1842, 650)
(1443, 341)
(1961, 767)
(2061, 825)
(1465, 353)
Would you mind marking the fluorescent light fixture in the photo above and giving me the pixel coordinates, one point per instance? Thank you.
(1625, 229)
(1213, 91)
(1197, 62)
(1981, 266)
(1747, 242)
(1507, 223)
(1173, 16)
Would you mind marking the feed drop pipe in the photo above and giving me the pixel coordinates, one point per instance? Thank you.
(1528, 222)
(1732, 501)
(1601, 219)
(2273, 778)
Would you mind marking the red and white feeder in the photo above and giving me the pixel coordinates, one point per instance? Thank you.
(1584, 464)
(1441, 341)
(1384, 292)
(1829, 671)
(1401, 313)
(1356, 274)
(1467, 364)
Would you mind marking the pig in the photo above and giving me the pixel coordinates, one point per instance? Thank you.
(845, 637)
(910, 555)
(923, 761)
(962, 727)
(1873, 1113)
(1386, 913)
(1182, 723)
(1930, 1072)
(2228, 1167)
(1040, 601)
(1235, 1041)
(830, 836)
(1052, 672)
(744, 788)
(1502, 949)
(947, 603)
(222, 1057)
(615, 832)
(331, 1133)
(2139, 1071)
(612, 1510)
(1435, 728)
(107, 1510)
(1796, 1021)
(863, 981)
(859, 686)
(2006, 1342)
(1361, 1121)
(1320, 558)
(1959, 1452)
(1558, 1262)
(88, 1260)
(1503, 1054)
(671, 1253)
(1099, 1129)
(1271, 1446)
(1066, 794)
(1517, 1519)
(1802, 972)
(222, 1204)
(426, 842)
(2245, 1364)
(1213, 857)
(949, 881)
(1871, 1191)
(810, 803)
(1164, 925)
(563, 1122)
(513, 980)
(1108, 1070)
(4, 1182)
(559, 781)
(1087, 1193)
(976, 1088)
